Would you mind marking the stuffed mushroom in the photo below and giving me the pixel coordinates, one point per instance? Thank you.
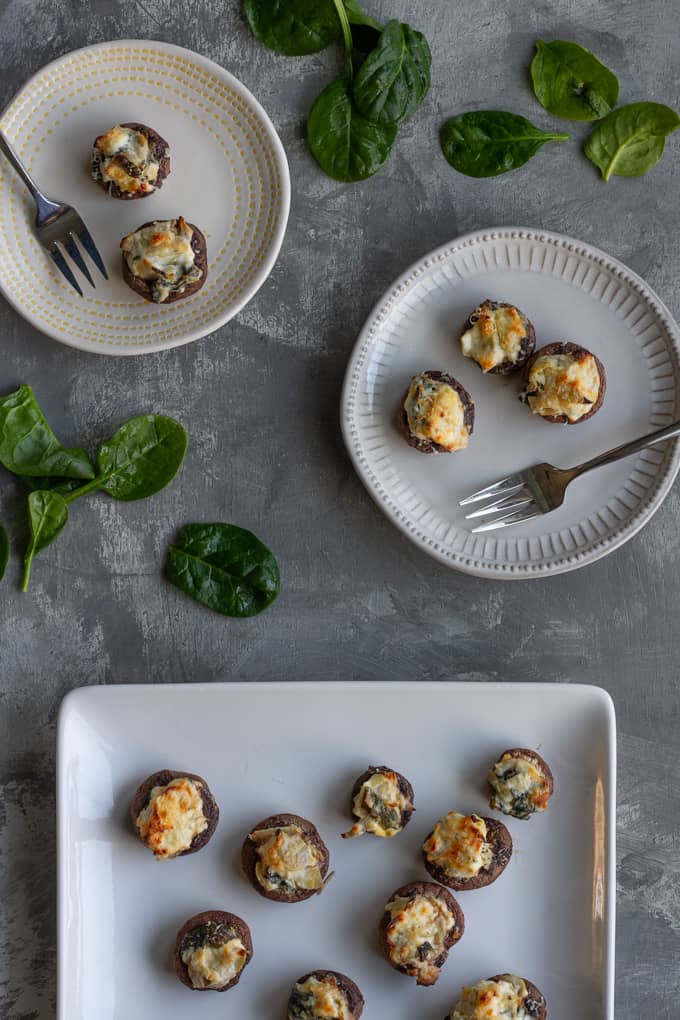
(285, 859)
(174, 813)
(211, 951)
(325, 994)
(130, 161)
(381, 803)
(564, 383)
(467, 851)
(503, 997)
(437, 413)
(520, 783)
(165, 260)
(421, 922)
(498, 337)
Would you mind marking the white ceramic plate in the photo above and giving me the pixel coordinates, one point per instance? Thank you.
(298, 747)
(228, 175)
(570, 291)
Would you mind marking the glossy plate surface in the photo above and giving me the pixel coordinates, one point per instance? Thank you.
(299, 747)
(229, 176)
(570, 291)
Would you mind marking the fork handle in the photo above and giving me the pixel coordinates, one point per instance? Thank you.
(626, 449)
(8, 150)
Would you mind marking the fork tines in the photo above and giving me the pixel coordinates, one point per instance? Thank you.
(509, 497)
(70, 247)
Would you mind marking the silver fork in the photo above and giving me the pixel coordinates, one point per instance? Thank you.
(541, 488)
(57, 226)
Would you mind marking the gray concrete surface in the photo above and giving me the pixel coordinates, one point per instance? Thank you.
(260, 399)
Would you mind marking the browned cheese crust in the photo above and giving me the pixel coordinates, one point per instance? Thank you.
(501, 841)
(200, 249)
(405, 789)
(162, 778)
(580, 354)
(353, 996)
(410, 891)
(232, 922)
(427, 445)
(249, 856)
(534, 1001)
(526, 349)
(161, 151)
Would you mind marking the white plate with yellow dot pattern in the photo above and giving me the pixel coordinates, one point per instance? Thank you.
(571, 292)
(229, 176)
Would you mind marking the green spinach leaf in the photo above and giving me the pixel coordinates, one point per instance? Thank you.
(47, 515)
(571, 82)
(357, 16)
(61, 485)
(4, 551)
(631, 140)
(225, 568)
(395, 78)
(485, 143)
(142, 457)
(28, 446)
(293, 27)
(343, 142)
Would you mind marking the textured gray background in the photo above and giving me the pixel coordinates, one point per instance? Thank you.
(260, 399)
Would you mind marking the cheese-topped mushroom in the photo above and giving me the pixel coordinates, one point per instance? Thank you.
(505, 997)
(498, 337)
(165, 259)
(130, 161)
(285, 858)
(437, 414)
(174, 813)
(211, 950)
(420, 924)
(382, 803)
(325, 995)
(467, 851)
(520, 783)
(564, 383)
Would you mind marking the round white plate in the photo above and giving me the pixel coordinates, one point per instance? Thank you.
(570, 291)
(229, 176)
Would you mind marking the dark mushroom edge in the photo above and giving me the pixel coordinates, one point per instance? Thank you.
(381, 803)
(520, 783)
(313, 994)
(421, 922)
(263, 858)
(123, 170)
(498, 347)
(467, 851)
(461, 429)
(166, 843)
(591, 400)
(212, 949)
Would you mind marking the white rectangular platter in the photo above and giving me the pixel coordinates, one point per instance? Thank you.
(267, 748)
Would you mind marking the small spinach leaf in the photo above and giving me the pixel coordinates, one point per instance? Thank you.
(357, 16)
(631, 140)
(28, 446)
(343, 142)
(47, 514)
(293, 27)
(571, 82)
(395, 78)
(4, 551)
(142, 457)
(485, 143)
(224, 567)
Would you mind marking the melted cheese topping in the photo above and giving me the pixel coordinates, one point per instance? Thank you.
(560, 384)
(378, 806)
(324, 1000)
(493, 1000)
(458, 845)
(495, 337)
(417, 934)
(286, 860)
(436, 413)
(215, 966)
(519, 786)
(123, 157)
(161, 254)
(172, 818)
